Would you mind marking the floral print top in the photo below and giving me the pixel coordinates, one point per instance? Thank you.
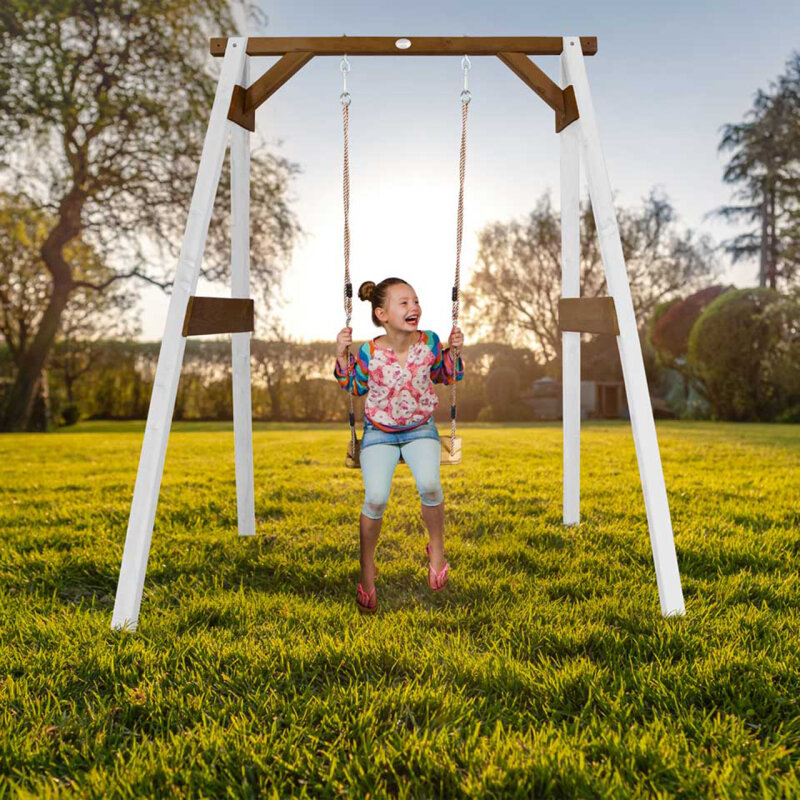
(399, 396)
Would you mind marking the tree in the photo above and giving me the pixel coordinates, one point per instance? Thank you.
(765, 169)
(668, 336)
(745, 347)
(104, 107)
(513, 295)
(670, 329)
(24, 285)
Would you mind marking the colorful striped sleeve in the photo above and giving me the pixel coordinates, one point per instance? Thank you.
(355, 381)
(442, 368)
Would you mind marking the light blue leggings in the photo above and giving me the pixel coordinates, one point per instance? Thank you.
(378, 461)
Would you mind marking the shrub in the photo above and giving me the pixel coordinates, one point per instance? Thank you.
(673, 321)
(741, 348)
(70, 414)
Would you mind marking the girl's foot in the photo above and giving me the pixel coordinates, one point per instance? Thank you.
(367, 602)
(436, 580)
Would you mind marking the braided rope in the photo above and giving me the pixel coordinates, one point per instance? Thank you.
(462, 165)
(348, 296)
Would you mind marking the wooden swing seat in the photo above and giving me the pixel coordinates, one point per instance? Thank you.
(447, 459)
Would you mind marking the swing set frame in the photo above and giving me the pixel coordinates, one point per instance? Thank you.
(233, 118)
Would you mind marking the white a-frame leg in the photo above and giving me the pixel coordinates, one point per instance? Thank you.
(170, 358)
(641, 412)
(570, 340)
(240, 342)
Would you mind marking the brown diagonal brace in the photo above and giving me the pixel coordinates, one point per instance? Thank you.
(588, 315)
(206, 315)
(562, 101)
(244, 102)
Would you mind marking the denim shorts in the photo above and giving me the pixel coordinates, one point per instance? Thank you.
(373, 435)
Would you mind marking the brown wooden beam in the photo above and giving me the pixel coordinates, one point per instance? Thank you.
(236, 110)
(420, 45)
(562, 101)
(588, 315)
(205, 315)
(244, 102)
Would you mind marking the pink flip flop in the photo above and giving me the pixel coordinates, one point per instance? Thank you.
(363, 600)
(440, 579)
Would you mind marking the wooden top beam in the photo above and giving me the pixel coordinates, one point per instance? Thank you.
(420, 45)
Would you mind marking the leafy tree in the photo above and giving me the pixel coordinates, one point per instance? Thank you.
(668, 336)
(745, 347)
(670, 329)
(103, 112)
(513, 294)
(24, 286)
(765, 169)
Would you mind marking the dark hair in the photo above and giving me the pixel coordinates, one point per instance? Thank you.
(376, 293)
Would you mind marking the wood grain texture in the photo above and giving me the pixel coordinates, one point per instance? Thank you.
(208, 315)
(237, 111)
(420, 45)
(274, 78)
(588, 315)
(245, 101)
(562, 101)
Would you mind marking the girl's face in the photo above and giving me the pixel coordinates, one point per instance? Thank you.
(401, 310)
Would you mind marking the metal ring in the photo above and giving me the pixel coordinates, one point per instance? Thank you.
(344, 64)
(466, 63)
(345, 98)
(466, 96)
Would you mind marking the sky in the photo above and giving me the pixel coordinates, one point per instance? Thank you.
(665, 79)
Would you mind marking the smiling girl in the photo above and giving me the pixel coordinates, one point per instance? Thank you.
(397, 371)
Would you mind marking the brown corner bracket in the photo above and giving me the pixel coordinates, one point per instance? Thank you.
(562, 101)
(588, 315)
(237, 112)
(244, 102)
(206, 315)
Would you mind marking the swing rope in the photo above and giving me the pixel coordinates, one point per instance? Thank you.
(466, 96)
(348, 286)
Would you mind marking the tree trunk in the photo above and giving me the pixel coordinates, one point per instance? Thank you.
(762, 267)
(773, 240)
(40, 419)
(274, 391)
(19, 402)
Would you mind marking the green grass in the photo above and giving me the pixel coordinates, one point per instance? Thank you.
(543, 669)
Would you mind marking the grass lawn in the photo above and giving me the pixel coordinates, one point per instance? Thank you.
(543, 669)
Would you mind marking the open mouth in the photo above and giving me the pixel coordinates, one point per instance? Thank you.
(413, 319)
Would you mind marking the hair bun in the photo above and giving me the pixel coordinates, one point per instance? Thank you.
(365, 290)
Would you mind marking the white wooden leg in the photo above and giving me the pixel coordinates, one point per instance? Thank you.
(162, 400)
(644, 429)
(570, 341)
(240, 342)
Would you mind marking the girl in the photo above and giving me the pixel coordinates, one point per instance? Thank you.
(397, 371)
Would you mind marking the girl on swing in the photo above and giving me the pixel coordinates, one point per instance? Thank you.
(397, 372)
